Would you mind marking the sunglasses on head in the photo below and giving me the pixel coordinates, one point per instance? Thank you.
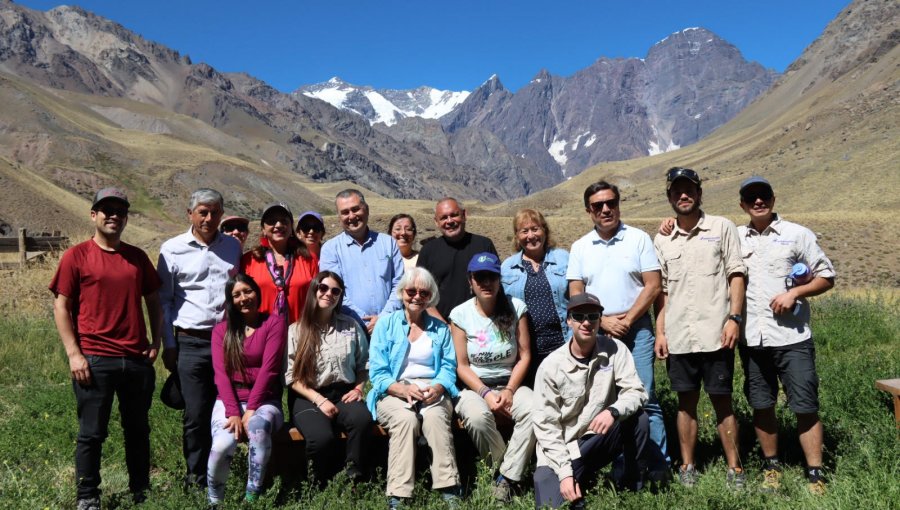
(597, 207)
(678, 172)
(581, 317)
(751, 196)
(423, 293)
(112, 210)
(324, 288)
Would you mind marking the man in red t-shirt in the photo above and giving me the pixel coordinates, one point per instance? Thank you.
(98, 286)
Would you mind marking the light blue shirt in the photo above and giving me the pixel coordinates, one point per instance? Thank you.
(611, 270)
(371, 271)
(193, 281)
(556, 263)
(390, 345)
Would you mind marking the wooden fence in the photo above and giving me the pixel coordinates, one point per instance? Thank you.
(30, 248)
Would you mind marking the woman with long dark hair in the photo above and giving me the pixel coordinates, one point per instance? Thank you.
(247, 353)
(326, 373)
(493, 351)
(281, 264)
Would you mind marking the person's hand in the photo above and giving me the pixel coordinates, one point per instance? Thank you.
(783, 303)
(661, 347)
(602, 422)
(234, 425)
(328, 409)
(667, 226)
(569, 489)
(432, 394)
(80, 369)
(370, 321)
(730, 334)
(354, 395)
(616, 325)
(412, 393)
(245, 420)
(497, 402)
(170, 358)
(152, 352)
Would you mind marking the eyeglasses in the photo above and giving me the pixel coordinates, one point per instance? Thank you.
(678, 172)
(240, 227)
(111, 210)
(597, 207)
(423, 293)
(307, 227)
(324, 288)
(581, 317)
(751, 196)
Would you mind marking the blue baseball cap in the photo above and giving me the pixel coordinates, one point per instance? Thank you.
(484, 261)
(756, 179)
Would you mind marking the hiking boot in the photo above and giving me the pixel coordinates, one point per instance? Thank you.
(395, 503)
(771, 479)
(88, 504)
(687, 475)
(817, 484)
(736, 479)
(450, 495)
(502, 489)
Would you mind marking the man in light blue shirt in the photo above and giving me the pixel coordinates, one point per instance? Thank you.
(369, 262)
(194, 267)
(618, 264)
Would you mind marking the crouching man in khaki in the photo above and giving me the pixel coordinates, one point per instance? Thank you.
(588, 400)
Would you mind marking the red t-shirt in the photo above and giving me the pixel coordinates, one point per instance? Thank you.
(106, 288)
(304, 271)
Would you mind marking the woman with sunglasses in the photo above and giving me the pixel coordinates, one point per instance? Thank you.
(412, 366)
(281, 264)
(493, 352)
(326, 373)
(247, 353)
(236, 227)
(536, 274)
(311, 230)
(402, 228)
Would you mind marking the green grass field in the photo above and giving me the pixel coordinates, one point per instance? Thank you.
(856, 339)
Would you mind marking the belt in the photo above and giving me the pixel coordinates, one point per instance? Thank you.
(203, 334)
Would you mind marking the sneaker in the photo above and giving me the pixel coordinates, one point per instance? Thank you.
(89, 504)
(502, 489)
(816, 479)
(687, 475)
(450, 495)
(771, 479)
(736, 479)
(395, 503)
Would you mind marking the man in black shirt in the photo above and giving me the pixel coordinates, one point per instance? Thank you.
(447, 257)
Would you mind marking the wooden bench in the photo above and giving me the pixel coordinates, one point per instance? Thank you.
(892, 386)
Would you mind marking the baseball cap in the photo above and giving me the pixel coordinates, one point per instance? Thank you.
(313, 214)
(484, 261)
(584, 299)
(279, 205)
(677, 172)
(756, 179)
(110, 193)
(234, 219)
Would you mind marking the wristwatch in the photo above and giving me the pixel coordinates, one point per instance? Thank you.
(614, 412)
(736, 318)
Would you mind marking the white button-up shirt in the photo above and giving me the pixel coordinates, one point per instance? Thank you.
(769, 256)
(193, 281)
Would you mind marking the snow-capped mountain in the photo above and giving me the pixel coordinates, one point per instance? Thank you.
(385, 105)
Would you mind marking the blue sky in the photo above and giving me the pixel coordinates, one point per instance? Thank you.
(450, 45)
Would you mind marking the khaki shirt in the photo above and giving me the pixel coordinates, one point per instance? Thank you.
(342, 356)
(769, 256)
(568, 394)
(695, 268)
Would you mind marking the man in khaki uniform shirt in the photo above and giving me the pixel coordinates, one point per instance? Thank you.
(699, 316)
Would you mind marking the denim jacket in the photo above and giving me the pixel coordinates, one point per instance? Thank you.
(389, 346)
(557, 261)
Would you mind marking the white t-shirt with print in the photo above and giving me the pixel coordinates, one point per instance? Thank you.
(491, 354)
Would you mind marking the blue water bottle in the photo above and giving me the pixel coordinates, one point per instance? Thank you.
(800, 274)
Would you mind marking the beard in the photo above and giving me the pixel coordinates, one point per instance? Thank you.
(681, 212)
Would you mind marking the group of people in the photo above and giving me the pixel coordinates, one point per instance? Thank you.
(556, 346)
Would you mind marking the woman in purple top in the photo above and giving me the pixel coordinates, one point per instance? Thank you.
(247, 352)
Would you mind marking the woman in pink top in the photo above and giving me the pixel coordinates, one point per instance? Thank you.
(247, 352)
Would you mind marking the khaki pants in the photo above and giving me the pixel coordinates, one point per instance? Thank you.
(403, 426)
(482, 428)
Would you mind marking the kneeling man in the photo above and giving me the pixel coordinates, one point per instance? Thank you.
(588, 400)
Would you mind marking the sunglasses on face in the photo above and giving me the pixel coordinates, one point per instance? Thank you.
(324, 288)
(423, 293)
(240, 227)
(597, 207)
(581, 317)
(483, 277)
(750, 197)
(111, 210)
(307, 227)
(274, 220)
(678, 172)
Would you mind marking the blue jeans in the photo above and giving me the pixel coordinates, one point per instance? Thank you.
(640, 341)
(132, 381)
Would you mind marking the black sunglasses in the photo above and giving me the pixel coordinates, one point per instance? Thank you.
(306, 227)
(679, 172)
(111, 210)
(581, 317)
(424, 293)
(335, 291)
(597, 207)
(751, 196)
(231, 227)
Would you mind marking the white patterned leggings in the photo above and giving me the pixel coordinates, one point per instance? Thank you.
(265, 421)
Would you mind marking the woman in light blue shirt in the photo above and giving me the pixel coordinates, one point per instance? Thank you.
(536, 274)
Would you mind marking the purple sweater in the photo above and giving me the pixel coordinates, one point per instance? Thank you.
(263, 356)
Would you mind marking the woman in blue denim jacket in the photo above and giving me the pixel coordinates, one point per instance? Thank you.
(536, 274)
(412, 366)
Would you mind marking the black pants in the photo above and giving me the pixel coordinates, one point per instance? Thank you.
(598, 450)
(132, 381)
(321, 432)
(199, 390)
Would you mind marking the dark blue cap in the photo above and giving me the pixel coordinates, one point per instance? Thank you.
(484, 261)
